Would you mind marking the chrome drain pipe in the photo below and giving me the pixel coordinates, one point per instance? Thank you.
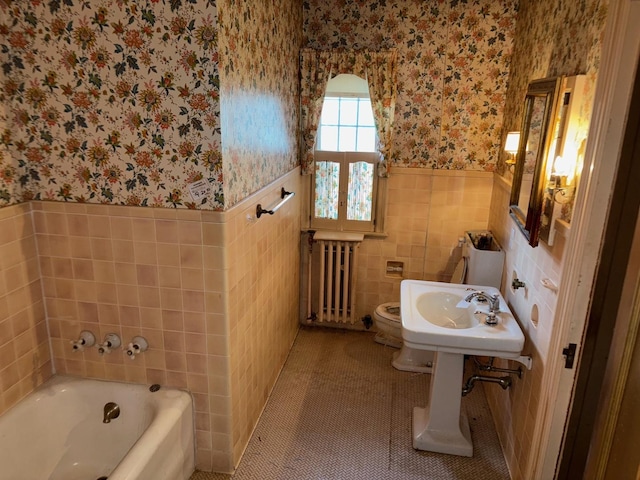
(490, 368)
(504, 382)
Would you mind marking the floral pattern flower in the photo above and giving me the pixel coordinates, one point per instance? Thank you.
(140, 80)
(453, 69)
(91, 107)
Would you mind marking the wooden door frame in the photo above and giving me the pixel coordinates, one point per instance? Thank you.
(595, 406)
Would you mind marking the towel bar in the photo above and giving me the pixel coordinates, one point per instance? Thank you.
(284, 195)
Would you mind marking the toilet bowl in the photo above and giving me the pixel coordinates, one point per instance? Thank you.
(386, 318)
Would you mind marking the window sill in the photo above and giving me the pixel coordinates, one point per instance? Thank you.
(344, 236)
(338, 236)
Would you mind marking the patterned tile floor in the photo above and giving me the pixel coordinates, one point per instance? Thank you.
(339, 410)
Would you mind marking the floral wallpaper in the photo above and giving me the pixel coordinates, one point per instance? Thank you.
(555, 37)
(259, 46)
(110, 102)
(118, 102)
(453, 70)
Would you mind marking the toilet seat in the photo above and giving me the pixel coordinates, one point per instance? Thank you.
(460, 272)
(388, 324)
(389, 311)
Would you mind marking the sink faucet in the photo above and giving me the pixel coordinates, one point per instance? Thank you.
(494, 305)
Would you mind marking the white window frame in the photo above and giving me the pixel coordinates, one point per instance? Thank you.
(341, 223)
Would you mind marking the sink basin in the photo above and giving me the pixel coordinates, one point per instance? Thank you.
(436, 317)
(441, 309)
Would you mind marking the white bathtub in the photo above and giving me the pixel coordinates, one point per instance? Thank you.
(57, 433)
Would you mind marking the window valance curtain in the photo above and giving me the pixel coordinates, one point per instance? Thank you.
(378, 68)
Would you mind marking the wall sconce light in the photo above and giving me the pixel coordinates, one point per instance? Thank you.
(511, 147)
(562, 171)
(561, 180)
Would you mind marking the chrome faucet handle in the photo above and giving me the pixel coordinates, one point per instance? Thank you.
(86, 339)
(111, 340)
(137, 346)
(491, 319)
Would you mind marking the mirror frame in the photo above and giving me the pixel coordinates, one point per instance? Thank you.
(529, 222)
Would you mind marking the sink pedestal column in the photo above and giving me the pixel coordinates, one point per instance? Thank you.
(441, 426)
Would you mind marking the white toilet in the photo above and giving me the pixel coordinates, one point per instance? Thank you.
(386, 318)
(478, 266)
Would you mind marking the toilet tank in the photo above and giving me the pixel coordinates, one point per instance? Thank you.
(485, 258)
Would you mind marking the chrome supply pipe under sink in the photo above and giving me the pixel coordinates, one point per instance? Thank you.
(504, 382)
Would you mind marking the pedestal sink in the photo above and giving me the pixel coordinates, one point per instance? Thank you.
(435, 316)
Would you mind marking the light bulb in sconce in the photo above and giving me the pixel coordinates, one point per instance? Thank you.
(563, 170)
(511, 146)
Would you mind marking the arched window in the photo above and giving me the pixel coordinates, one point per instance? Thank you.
(346, 123)
(346, 135)
(345, 177)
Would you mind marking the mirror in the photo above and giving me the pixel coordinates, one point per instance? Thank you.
(565, 159)
(531, 160)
